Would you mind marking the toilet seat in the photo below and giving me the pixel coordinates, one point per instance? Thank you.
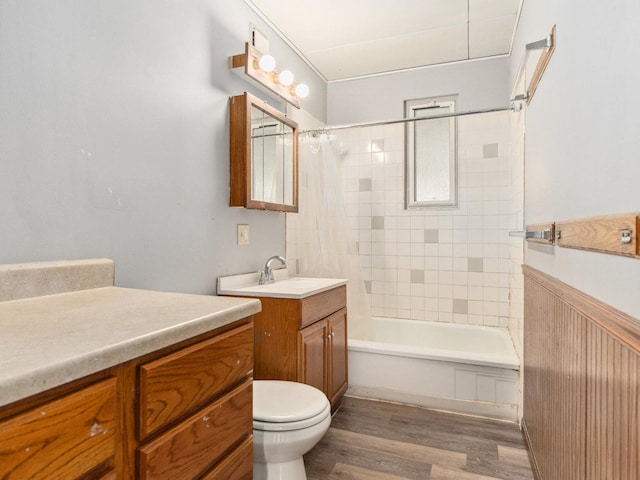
(281, 405)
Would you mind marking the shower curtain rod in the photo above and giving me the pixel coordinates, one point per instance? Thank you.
(404, 120)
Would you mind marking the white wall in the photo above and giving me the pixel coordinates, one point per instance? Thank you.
(114, 137)
(473, 269)
(480, 84)
(442, 264)
(582, 141)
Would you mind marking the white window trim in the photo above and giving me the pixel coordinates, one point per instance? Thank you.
(410, 107)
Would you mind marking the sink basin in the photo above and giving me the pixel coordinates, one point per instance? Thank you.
(246, 285)
(296, 283)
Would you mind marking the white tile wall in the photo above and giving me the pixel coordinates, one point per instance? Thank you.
(443, 264)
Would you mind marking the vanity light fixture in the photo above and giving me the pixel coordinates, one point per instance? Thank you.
(285, 77)
(267, 63)
(302, 91)
(263, 70)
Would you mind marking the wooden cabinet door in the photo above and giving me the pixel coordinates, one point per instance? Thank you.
(63, 439)
(312, 355)
(337, 380)
(177, 383)
(188, 449)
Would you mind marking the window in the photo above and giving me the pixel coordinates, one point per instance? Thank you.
(431, 165)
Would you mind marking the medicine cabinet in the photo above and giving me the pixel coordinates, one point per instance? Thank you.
(264, 156)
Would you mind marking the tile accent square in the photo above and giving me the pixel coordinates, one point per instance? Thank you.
(475, 264)
(367, 286)
(490, 150)
(417, 276)
(460, 306)
(418, 262)
(431, 236)
(377, 223)
(365, 185)
(377, 145)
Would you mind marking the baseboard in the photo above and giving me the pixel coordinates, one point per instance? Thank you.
(494, 411)
(532, 457)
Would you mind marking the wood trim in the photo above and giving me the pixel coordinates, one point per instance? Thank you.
(554, 392)
(337, 357)
(240, 153)
(238, 465)
(616, 323)
(541, 66)
(187, 449)
(321, 305)
(311, 346)
(275, 332)
(581, 384)
(175, 384)
(66, 438)
(239, 150)
(291, 341)
(266, 80)
(532, 459)
(613, 425)
(600, 234)
(126, 404)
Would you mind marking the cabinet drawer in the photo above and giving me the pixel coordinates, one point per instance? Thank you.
(62, 439)
(238, 465)
(190, 448)
(172, 385)
(321, 305)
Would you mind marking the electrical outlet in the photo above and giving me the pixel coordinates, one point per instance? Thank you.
(243, 234)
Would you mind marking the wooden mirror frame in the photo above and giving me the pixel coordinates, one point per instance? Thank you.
(240, 153)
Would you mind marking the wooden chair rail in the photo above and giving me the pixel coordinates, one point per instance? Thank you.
(613, 234)
(541, 66)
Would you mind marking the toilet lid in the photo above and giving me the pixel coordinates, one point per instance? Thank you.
(279, 401)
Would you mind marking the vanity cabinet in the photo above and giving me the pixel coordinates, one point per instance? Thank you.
(199, 401)
(322, 355)
(67, 437)
(304, 340)
(182, 412)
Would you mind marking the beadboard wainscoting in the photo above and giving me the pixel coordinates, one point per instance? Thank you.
(581, 384)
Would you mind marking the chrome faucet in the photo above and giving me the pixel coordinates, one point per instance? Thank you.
(266, 275)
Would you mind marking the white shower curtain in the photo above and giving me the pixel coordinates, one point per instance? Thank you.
(322, 234)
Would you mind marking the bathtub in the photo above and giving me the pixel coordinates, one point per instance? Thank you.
(460, 368)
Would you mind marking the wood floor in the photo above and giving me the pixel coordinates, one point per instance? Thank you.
(371, 440)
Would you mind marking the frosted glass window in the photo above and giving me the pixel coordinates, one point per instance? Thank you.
(431, 154)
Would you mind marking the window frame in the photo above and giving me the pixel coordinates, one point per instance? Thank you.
(410, 177)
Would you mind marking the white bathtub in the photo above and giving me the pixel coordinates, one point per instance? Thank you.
(461, 368)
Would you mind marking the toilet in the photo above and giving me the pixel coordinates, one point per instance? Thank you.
(289, 419)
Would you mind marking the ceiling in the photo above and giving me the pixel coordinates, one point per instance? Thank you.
(343, 39)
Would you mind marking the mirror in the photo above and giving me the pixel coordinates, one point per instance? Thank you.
(264, 156)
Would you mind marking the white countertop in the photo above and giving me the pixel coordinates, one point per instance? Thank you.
(51, 340)
(246, 285)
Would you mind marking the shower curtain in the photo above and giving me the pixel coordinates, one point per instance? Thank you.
(322, 234)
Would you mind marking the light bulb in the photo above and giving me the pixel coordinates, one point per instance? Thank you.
(267, 63)
(302, 90)
(285, 78)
